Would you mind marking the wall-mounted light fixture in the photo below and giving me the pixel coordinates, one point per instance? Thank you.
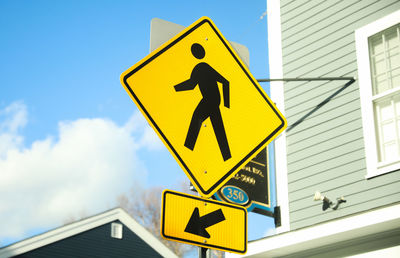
(326, 203)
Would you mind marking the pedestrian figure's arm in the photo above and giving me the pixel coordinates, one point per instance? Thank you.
(225, 90)
(225, 87)
(186, 85)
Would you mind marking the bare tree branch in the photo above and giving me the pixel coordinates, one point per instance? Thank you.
(145, 207)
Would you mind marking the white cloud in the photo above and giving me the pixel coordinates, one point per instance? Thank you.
(14, 116)
(83, 168)
(137, 123)
(12, 119)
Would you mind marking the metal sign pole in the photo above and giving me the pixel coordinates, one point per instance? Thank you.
(204, 252)
(307, 79)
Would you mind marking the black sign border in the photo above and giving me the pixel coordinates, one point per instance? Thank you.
(203, 200)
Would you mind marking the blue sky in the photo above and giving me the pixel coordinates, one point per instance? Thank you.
(71, 139)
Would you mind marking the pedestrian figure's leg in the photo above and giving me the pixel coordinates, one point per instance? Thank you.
(199, 115)
(219, 130)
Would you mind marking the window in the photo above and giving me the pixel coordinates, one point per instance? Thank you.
(116, 230)
(385, 76)
(378, 58)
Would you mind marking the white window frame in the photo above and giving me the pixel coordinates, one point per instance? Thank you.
(374, 168)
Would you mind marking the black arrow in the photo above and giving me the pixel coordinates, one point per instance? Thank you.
(197, 225)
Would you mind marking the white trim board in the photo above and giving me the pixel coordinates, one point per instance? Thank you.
(82, 226)
(327, 234)
(277, 95)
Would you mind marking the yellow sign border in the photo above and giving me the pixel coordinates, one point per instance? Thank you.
(124, 81)
(202, 244)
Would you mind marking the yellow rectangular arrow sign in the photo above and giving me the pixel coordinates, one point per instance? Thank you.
(204, 222)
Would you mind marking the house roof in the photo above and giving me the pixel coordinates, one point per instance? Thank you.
(85, 225)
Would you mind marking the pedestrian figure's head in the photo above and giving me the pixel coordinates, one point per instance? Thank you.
(198, 51)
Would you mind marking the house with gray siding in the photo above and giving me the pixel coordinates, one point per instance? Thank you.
(113, 233)
(343, 137)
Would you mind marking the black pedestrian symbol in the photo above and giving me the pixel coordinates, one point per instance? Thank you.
(207, 79)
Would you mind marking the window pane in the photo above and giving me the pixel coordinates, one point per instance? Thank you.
(385, 111)
(391, 38)
(378, 65)
(385, 59)
(398, 128)
(391, 152)
(396, 100)
(394, 67)
(395, 77)
(381, 84)
(394, 59)
(376, 45)
(389, 132)
(387, 121)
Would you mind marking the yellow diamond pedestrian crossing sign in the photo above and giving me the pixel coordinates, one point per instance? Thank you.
(204, 104)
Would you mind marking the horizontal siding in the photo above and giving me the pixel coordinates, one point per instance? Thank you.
(294, 23)
(323, 115)
(327, 63)
(311, 170)
(305, 186)
(328, 31)
(326, 150)
(300, 93)
(355, 192)
(350, 94)
(358, 198)
(350, 113)
(289, 9)
(327, 135)
(334, 17)
(324, 55)
(327, 187)
(344, 142)
(326, 154)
